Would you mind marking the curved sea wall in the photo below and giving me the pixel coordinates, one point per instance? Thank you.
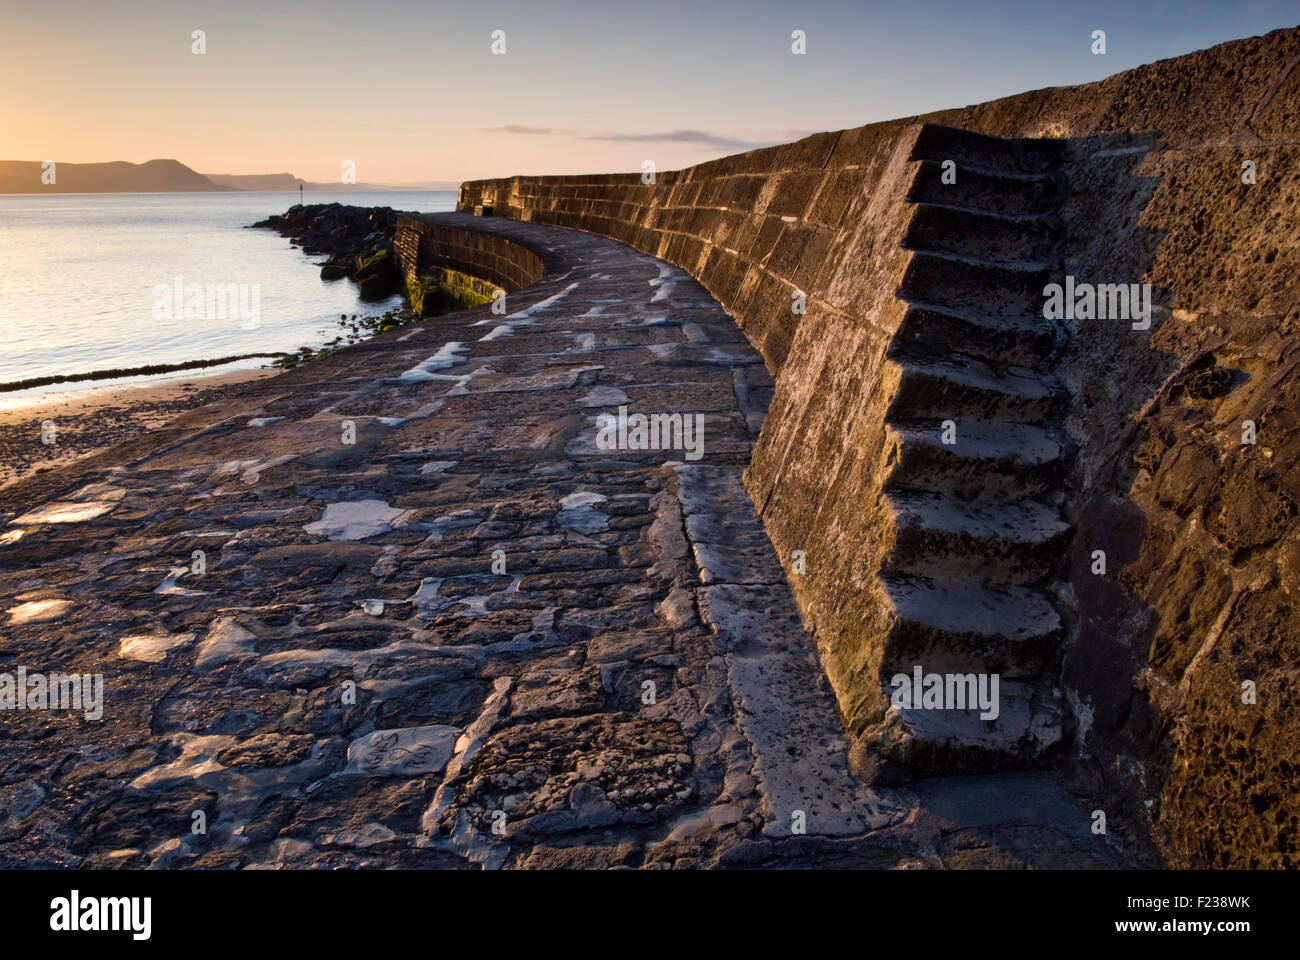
(1112, 525)
(448, 268)
(422, 245)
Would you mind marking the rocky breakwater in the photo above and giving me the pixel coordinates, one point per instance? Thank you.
(357, 240)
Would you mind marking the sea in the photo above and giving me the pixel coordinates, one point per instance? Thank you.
(86, 282)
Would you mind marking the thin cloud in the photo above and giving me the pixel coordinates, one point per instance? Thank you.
(520, 128)
(700, 137)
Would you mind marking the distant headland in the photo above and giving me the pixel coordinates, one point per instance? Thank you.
(165, 176)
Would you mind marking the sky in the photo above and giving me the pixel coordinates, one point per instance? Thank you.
(410, 90)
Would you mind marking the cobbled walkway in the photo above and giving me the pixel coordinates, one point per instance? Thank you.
(469, 637)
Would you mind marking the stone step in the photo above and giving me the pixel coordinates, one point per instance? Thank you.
(975, 188)
(953, 280)
(1015, 340)
(964, 624)
(1009, 154)
(987, 458)
(939, 535)
(943, 228)
(971, 536)
(1028, 732)
(956, 386)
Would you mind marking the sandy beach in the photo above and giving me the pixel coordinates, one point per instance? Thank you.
(90, 420)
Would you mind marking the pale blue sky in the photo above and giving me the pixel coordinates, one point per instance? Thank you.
(410, 91)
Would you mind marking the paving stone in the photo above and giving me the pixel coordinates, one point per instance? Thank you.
(403, 752)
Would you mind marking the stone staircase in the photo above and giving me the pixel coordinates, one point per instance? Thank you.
(977, 520)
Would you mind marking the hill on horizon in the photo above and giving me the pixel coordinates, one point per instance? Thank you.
(119, 176)
(169, 176)
(257, 181)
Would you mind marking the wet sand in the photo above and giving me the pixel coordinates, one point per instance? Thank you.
(89, 420)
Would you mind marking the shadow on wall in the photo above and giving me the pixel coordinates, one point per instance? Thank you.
(1111, 372)
(1184, 650)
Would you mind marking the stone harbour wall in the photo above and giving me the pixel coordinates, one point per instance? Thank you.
(1172, 637)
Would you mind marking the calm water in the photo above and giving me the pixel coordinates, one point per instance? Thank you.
(78, 275)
